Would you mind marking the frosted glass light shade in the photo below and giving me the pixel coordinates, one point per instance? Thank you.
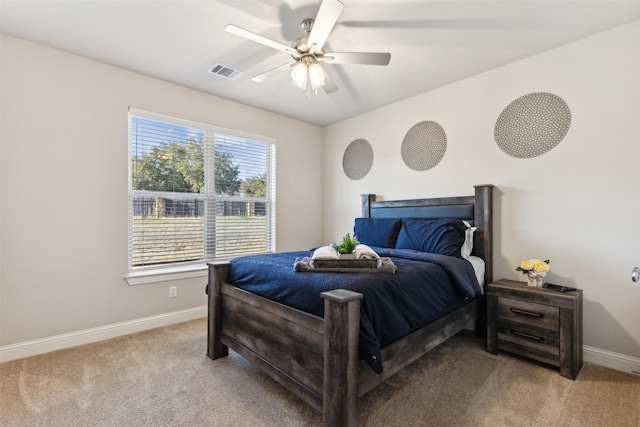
(305, 74)
(316, 75)
(299, 75)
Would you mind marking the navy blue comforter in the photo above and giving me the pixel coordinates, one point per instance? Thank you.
(425, 287)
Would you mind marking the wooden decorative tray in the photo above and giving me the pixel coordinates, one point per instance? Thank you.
(346, 263)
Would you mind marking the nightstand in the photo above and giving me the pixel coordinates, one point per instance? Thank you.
(537, 323)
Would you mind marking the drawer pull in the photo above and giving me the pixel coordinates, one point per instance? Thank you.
(531, 337)
(526, 313)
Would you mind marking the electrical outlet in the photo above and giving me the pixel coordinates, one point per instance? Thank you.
(173, 291)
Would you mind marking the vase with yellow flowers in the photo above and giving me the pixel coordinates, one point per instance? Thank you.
(535, 269)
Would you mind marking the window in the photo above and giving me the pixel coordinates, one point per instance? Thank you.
(197, 192)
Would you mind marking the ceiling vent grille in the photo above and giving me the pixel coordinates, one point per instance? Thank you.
(224, 71)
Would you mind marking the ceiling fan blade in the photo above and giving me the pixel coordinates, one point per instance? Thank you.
(366, 58)
(271, 73)
(329, 85)
(324, 23)
(233, 29)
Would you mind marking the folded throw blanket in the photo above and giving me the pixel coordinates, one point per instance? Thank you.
(365, 252)
(306, 264)
(324, 253)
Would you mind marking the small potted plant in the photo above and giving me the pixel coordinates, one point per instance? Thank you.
(347, 246)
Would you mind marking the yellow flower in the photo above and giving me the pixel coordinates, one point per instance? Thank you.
(527, 265)
(541, 267)
(534, 266)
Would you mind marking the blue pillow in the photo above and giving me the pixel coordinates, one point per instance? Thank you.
(438, 236)
(382, 232)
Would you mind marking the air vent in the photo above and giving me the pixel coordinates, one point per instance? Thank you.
(224, 71)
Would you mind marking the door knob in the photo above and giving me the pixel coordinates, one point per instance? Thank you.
(635, 274)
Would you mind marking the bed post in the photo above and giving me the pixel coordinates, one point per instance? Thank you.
(483, 220)
(366, 204)
(217, 275)
(341, 358)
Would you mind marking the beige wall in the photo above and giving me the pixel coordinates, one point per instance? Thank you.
(64, 189)
(578, 204)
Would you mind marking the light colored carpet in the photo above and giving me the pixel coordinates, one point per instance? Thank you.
(162, 377)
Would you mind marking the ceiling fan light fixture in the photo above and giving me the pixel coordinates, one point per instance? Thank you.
(316, 75)
(299, 74)
(308, 74)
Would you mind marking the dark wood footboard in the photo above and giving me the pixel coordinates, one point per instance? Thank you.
(316, 358)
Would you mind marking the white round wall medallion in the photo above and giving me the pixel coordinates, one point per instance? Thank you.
(424, 146)
(532, 125)
(357, 159)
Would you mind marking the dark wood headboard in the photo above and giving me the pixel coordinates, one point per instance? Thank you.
(476, 209)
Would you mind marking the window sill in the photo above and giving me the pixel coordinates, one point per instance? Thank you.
(145, 277)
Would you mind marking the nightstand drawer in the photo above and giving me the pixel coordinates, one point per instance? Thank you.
(531, 313)
(529, 336)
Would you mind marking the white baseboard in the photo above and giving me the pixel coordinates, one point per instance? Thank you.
(593, 355)
(609, 359)
(86, 336)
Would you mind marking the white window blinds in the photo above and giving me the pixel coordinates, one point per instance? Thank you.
(197, 192)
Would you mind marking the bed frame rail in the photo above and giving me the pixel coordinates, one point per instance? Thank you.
(405, 351)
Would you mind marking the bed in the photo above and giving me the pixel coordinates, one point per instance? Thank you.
(317, 357)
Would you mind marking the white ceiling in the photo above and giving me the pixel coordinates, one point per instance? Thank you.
(432, 43)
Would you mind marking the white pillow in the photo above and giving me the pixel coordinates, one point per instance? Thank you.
(478, 268)
(467, 246)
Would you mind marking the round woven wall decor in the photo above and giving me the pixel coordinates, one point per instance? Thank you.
(424, 146)
(357, 159)
(532, 125)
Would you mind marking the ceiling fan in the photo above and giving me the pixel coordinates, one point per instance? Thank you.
(309, 53)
